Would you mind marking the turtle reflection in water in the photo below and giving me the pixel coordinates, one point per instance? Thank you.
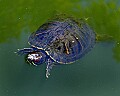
(59, 42)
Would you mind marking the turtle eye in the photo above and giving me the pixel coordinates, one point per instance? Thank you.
(35, 58)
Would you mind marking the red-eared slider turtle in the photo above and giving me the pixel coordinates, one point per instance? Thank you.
(59, 42)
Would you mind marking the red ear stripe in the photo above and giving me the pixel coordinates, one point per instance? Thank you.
(36, 60)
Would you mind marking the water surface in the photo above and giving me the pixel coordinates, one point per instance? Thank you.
(96, 74)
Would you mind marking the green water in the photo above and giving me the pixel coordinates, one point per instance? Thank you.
(96, 74)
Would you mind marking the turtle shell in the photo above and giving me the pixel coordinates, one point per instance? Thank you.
(65, 41)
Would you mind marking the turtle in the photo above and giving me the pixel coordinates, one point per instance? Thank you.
(59, 42)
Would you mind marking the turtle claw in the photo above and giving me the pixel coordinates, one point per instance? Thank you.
(47, 73)
(20, 51)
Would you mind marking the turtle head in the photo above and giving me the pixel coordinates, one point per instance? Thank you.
(36, 58)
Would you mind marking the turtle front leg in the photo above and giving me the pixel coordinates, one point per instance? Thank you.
(49, 67)
(24, 51)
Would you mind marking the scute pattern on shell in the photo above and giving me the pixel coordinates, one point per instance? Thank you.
(64, 41)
